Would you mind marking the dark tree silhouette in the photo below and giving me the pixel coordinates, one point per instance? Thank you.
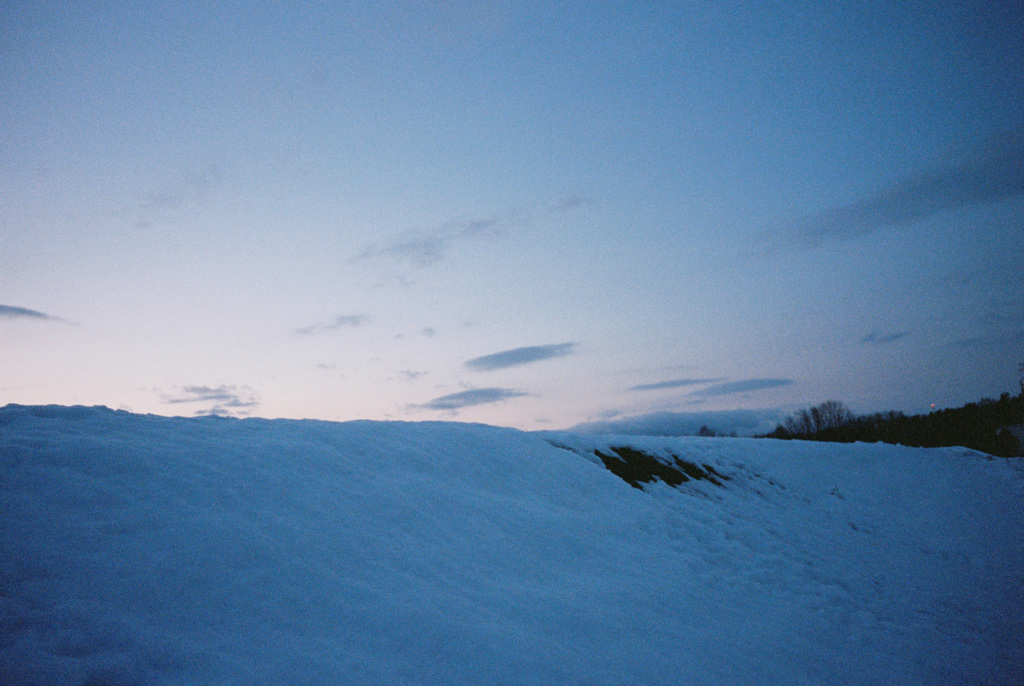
(831, 414)
(984, 426)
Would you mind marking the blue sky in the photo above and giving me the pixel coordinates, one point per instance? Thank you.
(518, 213)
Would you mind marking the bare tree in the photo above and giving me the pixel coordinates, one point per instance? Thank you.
(799, 423)
(831, 414)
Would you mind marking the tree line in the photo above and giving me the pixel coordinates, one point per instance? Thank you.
(980, 426)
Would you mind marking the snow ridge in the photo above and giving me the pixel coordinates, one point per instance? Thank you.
(152, 550)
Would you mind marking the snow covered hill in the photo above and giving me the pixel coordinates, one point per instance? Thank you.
(149, 550)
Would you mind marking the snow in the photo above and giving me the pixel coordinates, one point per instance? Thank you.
(151, 550)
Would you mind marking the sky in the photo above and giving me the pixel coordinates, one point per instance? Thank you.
(526, 214)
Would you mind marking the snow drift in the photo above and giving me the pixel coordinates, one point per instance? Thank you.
(150, 550)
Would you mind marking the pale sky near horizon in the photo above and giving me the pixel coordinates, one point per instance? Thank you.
(529, 214)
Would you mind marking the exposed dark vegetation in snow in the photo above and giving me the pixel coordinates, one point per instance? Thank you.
(985, 425)
(636, 467)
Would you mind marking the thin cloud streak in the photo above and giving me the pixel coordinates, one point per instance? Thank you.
(674, 383)
(422, 248)
(348, 321)
(191, 188)
(1013, 338)
(476, 396)
(744, 386)
(428, 246)
(226, 400)
(520, 356)
(12, 312)
(570, 203)
(876, 337)
(992, 173)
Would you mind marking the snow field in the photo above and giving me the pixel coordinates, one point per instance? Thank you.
(150, 550)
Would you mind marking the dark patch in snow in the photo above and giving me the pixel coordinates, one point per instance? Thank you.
(634, 466)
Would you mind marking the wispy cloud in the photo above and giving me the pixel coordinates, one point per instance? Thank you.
(674, 383)
(191, 188)
(1013, 338)
(520, 356)
(743, 386)
(11, 312)
(425, 332)
(347, 321)
(876, 337)
(570, 203)
(991, 173)
(223, 400)
(476, 396)
(424, 247)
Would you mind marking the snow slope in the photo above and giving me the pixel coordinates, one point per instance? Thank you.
(150, 550)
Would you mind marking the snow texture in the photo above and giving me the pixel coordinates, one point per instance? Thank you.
(150, 550)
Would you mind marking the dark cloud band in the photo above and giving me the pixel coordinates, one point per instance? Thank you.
(993, 173)
(520, 356)
(674, 383)
(11, 312)
(477, 396)
(743, 386)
